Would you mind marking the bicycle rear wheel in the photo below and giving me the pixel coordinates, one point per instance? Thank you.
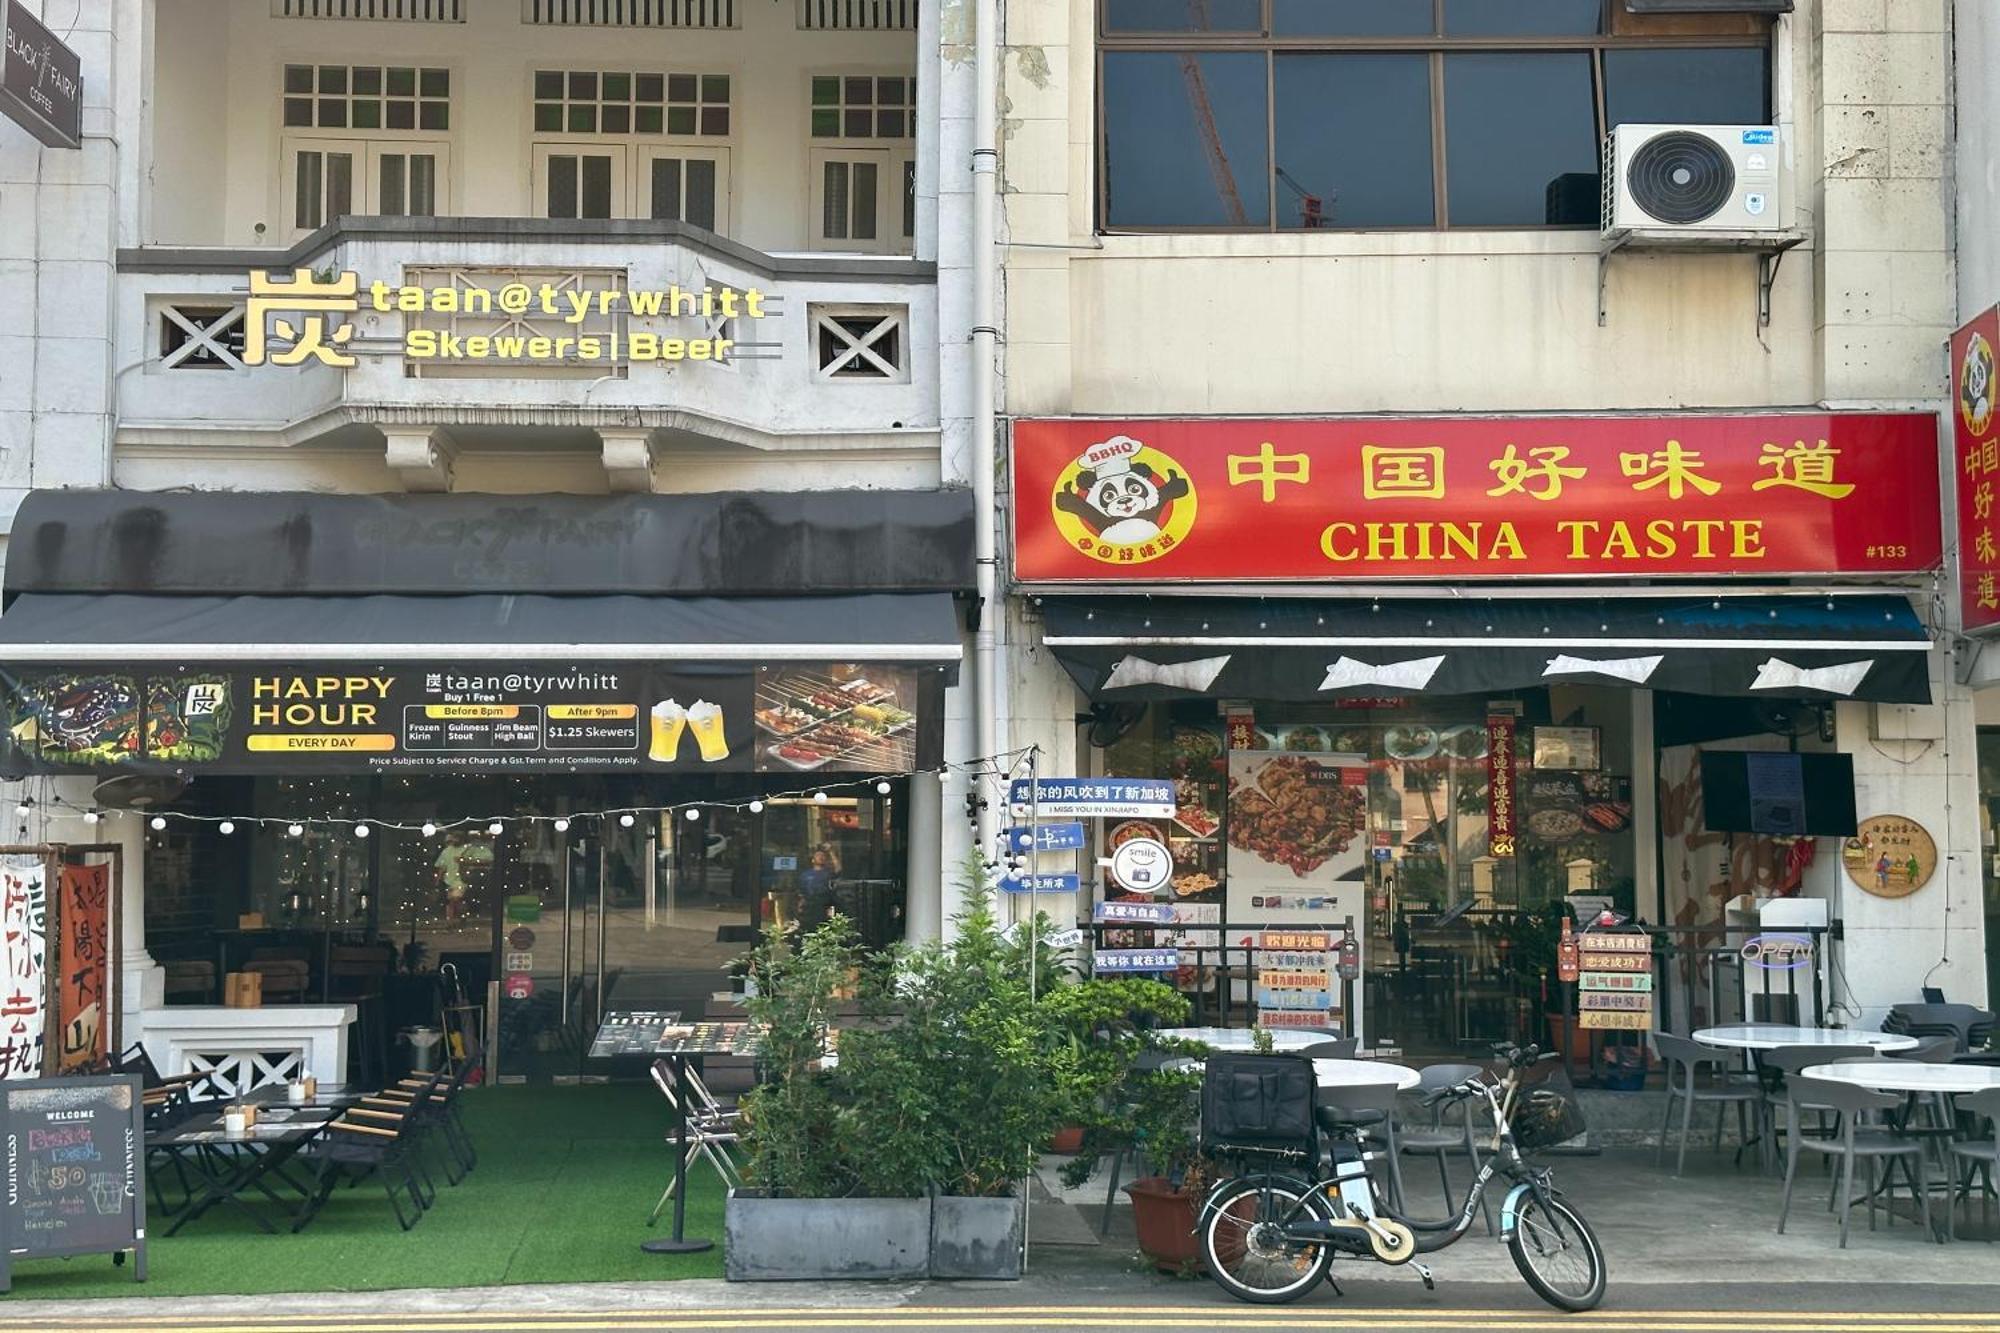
(1558, 1255)
(1244, 1245)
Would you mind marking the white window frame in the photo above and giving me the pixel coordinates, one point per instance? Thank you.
(372, 143)
(891, 164)
(619, 153)
(645, 154)
(862, 350)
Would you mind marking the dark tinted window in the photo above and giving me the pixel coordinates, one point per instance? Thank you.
(1352, 18)
(1523, 18)
(1726, 86)
(1514, 125)
(1354, 139)
(1183, 16)
(1164, 166)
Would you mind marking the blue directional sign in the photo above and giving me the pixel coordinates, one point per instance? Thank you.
(1095, 798)
(1046, 838)
(1135, 960)
(1035, 883)
(1152, 914)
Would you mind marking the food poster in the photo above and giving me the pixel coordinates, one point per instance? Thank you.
(83, 960)
(535, 718)
(1562, 808)
(1297, 837)
(24, 984)
(854, 718)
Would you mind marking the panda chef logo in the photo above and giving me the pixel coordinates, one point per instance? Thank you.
(1975, 385)
(1124, 503)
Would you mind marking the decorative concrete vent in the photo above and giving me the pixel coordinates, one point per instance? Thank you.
(630, 13)
(395, 11)
(859, 15)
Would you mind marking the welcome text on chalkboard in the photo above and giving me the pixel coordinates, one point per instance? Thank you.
(75, 1170)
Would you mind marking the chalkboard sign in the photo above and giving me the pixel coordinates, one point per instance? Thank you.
(75, 1170)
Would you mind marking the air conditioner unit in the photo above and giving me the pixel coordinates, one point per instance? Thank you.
(1692, 178)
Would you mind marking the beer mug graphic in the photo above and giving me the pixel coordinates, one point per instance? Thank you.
(704, 719)
(669, 720)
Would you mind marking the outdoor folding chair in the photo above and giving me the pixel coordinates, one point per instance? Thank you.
(1441, 1137)
(711, 1132)
(418, 1111)
(1855, 1142)
(1685, 1059)
(1980, 1157)
(370, 1140)
(441, 1112)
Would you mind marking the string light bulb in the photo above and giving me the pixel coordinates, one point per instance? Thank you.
(820, 797)
(226, 827)
(756, 807)
(693, 813)
(22, 808)
(91, 816)
(159, 822)
(361, 830)
(883, 788)
(625, 820)
(562, 826)
(296, 830)
(430, 829)
(496, 828)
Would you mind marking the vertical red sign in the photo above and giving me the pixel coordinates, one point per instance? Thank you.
(1502, 817)
(1976, 458)
(1241, 721)
(83, 961)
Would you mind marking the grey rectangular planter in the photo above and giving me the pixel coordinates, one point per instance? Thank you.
(975, 1237)
(783, 1240)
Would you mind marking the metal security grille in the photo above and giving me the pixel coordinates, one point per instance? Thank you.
(630, 13)
(403, 11)
(859, 15)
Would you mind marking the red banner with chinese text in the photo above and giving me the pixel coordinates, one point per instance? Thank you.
(1502, 821)
(1976, 461)
(1242, 499)
(83, 960)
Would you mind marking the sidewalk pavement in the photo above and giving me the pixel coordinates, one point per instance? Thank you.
(1665, 1239)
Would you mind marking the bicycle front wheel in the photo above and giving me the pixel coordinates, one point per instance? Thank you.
(1558, 1255)
(1244, 1245)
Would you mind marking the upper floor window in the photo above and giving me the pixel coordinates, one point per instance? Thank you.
(585, 101)
(863, 106)
(367, 97)
(1261, 115)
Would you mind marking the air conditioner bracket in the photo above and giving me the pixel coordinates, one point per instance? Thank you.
(1768, 246)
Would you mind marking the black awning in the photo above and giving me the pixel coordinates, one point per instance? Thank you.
(291, 543)
(485, 627)
(1869, 647)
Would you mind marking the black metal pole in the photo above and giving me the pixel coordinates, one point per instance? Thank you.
(678, 1243)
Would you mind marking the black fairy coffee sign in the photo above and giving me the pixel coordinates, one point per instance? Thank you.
(41, 81)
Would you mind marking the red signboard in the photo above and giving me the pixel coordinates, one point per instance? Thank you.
(1976, 458)
(83, 953)
(1466, 498)
(1502, 817)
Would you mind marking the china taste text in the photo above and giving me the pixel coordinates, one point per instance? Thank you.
(1586, 538)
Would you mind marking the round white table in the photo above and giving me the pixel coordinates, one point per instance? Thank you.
(1907, 1075)
(1361, 1073)
(1770, 1036)
(1328, 1073)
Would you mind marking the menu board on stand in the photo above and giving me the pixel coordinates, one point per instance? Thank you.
(1141, 865)
(75, 1167)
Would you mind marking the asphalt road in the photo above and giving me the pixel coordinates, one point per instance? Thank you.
(1376, 1306)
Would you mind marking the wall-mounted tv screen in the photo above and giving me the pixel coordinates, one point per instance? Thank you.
(1785, 795)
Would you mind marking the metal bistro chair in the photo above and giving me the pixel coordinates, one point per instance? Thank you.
(1685, 1058)
(1780, 1065)
(1975, 1157)
(1855, 1142)
(711, 1132)
(1441, 1138)
(1333, 1048)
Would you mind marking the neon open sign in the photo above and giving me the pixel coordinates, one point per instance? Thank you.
(1778, 953)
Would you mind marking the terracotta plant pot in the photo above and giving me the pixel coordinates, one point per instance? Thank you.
(1164, 1218)
(1067, 1141)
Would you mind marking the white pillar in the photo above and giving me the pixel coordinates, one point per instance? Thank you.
(923, 903)
(1647, 901)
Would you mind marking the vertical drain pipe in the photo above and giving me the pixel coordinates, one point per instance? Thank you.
(985, 340)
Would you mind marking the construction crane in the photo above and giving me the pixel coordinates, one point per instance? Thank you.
(1312, 209)
(1204, 121)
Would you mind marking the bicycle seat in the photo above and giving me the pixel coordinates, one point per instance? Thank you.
(1336, 1118)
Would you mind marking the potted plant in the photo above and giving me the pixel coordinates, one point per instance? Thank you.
(839, 1189)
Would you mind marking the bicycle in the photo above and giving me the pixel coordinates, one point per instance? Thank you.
(1270, 1236)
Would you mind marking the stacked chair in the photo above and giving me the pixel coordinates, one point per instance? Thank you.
(1970, 1025)
(383, 1138)
(712, 1130)
(439, 1111)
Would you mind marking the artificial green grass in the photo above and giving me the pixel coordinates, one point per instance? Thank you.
(565, 1179)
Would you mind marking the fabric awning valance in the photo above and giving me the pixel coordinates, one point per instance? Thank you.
(1869, 647)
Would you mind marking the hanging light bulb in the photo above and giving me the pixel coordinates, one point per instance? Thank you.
(296, 830)
(693, 813)
(227, 826)
(562, 826)
(22, 808)
(756, 807)
(159, 822)
(360, 830)
(625, 820)
(496, 828)
(91, 816)
(820, 796)
(430, 829)
(883, 788)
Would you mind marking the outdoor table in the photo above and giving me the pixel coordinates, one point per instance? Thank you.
(1770, 1036)
(681, 1046)
(227, 1169)
(1363, 1073)
(1328, 1073)
(1918, 1079)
